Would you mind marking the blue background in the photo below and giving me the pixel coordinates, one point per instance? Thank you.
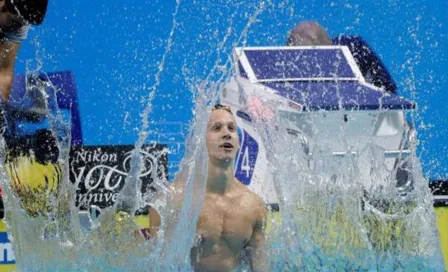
(114, 49)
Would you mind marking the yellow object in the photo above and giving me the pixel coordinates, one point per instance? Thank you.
(442, 224)
(122, 222)
(142, 221)
(274, 219)
(33, 182)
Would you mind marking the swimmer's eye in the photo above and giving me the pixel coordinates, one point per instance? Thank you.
(232, 128)
(216, 127)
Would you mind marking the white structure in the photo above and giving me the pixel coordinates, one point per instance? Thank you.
(318, 92)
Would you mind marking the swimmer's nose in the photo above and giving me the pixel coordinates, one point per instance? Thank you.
(227, 135)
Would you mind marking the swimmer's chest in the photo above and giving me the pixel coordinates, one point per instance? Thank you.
(226, 220)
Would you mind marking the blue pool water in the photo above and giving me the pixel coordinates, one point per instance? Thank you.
(143, 61)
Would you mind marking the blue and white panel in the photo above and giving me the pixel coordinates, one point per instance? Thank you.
(315, 96)
(23, 97)
(246, 157)
(7, 256)
(279, 64)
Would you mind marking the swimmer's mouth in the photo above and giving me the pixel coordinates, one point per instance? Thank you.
(226, 146)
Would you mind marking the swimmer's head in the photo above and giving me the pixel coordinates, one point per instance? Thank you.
(222, 107)
(308, 33)
(22, 11)
(222, 136)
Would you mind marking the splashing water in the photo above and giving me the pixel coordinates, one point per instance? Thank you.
(64, 245)
(336, 215)
(328, 219)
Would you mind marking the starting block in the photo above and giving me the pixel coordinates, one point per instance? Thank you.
(317, 93)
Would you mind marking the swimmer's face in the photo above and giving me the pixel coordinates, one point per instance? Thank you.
(222, 136)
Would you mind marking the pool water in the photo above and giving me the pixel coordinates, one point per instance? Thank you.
(325, 222)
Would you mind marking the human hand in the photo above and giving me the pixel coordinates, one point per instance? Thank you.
(259, 110)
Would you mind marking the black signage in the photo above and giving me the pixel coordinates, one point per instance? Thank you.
(99, 172)
(439, 189)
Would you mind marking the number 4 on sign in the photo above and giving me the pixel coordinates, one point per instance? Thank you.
(245, 163)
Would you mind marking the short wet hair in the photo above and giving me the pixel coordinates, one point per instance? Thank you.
(32, 11)
(222, 107)
(308, 33)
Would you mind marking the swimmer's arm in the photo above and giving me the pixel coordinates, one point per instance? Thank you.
(154, 222)
(174, 199)
(257, 251)
(177, 193)
(8, 53)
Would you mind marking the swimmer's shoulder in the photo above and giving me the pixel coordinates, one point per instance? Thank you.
(256, 201)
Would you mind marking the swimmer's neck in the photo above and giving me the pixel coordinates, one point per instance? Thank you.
(220, 176)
